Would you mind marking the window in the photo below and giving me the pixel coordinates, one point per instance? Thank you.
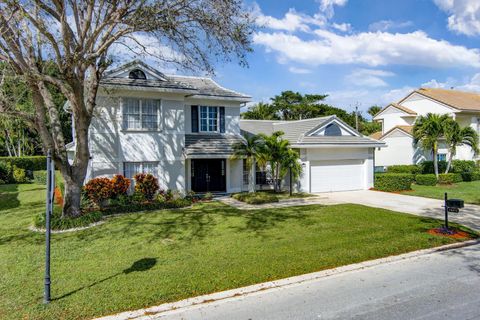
(208, 119)
(333, 130)
(140, 114)
(442, 157)
(130, 169)
(246, 172)
(137, 74)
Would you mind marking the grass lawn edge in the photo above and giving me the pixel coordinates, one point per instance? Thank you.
(193, 302)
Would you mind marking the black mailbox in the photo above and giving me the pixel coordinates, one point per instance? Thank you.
(455, 203)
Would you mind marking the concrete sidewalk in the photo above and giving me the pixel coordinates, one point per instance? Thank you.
(317, 199)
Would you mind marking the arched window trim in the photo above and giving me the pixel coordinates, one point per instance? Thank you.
(137, 74)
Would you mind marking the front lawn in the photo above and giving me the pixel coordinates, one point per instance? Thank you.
(143, 259)
(468, 191)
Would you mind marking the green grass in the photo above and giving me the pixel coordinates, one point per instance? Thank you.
(143, 259)
(468, 191)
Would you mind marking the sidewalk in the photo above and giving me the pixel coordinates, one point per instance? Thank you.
(318, 199)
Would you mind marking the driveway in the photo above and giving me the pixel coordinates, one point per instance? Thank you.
(442, 285)
(468, 216)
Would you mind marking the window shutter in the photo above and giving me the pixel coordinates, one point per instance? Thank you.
(222, 119)
(123, 105)
(194, 118)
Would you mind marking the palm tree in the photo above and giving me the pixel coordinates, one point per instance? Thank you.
(456, 136)
(428, 130)
(277, 152)
(248, 150)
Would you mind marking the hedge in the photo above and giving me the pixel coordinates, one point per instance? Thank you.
(461, 166)
(31, 163)
(427, 167)
(393, 181)
(426, 179)
(410, 168)
(449, 178)
(40, 177)
(471, 176)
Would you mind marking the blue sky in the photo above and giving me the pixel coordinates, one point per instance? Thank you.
(361, 52)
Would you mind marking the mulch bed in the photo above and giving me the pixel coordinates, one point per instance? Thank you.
(452, 233)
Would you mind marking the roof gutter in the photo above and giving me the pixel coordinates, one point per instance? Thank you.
(336, 145)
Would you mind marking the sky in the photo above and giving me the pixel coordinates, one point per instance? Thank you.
(359, 52)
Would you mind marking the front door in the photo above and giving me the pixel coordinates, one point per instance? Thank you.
(208, 175)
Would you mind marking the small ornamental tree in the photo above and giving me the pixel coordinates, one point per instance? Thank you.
(98, 190)
(146, 184)
(120, 185)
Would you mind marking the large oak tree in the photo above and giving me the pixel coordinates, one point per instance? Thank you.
(78, 36)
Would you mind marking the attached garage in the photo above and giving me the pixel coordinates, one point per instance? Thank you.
(340, 175)
(334, 156)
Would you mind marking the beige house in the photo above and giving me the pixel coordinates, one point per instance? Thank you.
(398, 119)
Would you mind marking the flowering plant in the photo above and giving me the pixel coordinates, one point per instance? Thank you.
(146, 184)
(120, 185)
(98, 190)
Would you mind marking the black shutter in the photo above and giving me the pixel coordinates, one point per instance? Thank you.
(194, 118)
(222, 119)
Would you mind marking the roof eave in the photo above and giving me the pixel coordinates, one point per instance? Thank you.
(147, 88)
(220, 97)
(339, 145)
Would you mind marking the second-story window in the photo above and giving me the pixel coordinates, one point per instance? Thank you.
(140, 114)
(208, 119)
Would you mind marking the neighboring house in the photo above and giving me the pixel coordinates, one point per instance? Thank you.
(182, 129)
(398, 119)
(334, 156)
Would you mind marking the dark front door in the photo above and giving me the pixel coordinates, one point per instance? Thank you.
(208, 175)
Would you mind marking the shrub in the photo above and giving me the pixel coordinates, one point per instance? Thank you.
(146, 184)
(393, 182)
(40, 177)
(98, 190)
(208, 196)
(120, 185)
(449, 178)
(6, 172)
(471, 176)
(59, 223)
(427, 167)
(19, 175)
(426, 179)
(255, 198)
(30, 163)
(410, 168)
(461, 166)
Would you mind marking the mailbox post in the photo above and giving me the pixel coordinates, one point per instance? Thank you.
(451, 205)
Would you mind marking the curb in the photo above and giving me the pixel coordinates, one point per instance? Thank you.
(155, 311)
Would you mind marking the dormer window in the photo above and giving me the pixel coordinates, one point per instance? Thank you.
(137, 74)
(333, 130)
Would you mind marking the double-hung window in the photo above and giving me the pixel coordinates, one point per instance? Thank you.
(208, 119)
(140, 114)
(130, 169)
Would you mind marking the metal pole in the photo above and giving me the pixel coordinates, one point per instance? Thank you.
(46, 296)
(446, 212)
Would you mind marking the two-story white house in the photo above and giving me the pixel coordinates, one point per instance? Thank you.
(398, 119)
(181, 129)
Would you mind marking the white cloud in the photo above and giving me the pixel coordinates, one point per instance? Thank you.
(469, 84)
(299, 70)
(464, 15)
(327, 6)
(385, 25)
(368, 48)
(342, 26)
(292, 21)
(368, 77)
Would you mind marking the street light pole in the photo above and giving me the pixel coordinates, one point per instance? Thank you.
(48, 214)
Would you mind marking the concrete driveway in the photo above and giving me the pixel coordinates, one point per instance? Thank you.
(468, 216)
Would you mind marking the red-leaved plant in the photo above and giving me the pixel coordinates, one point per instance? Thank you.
(98, 190)
(146, 184)
(120, 185)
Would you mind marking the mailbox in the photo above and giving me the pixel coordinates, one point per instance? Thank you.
(455, 203)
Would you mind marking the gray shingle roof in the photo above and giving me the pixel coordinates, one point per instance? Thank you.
(297, 132)
(210, 145)
(190, 85)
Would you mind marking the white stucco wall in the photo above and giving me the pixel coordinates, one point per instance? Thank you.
(111, 146)
(392, 117)
(422, 105)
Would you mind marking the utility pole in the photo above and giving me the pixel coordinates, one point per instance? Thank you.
(48, 215)
(356, 116)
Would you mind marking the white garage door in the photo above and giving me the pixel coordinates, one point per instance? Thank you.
(341, 175)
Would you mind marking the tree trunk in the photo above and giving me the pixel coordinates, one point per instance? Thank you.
(72, 199)
(252, 179)
(435, 161)
(449, 164)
